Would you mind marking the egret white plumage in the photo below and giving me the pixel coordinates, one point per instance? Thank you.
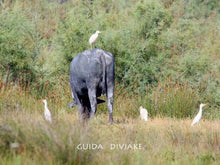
(93, 38)
(143, 113)
(199, 115)
(47, 113)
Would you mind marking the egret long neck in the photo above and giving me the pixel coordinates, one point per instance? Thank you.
(45, 105)
(200, 110)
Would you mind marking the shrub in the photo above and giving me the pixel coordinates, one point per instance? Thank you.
(16, 45)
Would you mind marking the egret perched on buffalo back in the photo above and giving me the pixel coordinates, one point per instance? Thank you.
(143, 113)
(93, 38)
(199, 115)
(47, 113)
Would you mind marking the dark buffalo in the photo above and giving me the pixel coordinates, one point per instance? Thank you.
(92, 75)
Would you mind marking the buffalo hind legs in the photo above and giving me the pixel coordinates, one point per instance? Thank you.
(110, 101)
(93, 102)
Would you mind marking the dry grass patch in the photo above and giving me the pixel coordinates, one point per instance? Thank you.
(162, 140)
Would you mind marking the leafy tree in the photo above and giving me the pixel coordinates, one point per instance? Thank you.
(16, 45)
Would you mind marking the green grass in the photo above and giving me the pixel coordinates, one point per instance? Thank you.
(164, 140)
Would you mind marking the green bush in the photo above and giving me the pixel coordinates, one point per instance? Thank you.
(150, 40)
(16, 45)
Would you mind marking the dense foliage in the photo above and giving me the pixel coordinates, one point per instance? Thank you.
(153, 41)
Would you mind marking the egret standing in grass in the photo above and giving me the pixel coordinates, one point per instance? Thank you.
(143, 113)
(199, 115)
(93, 38)
(47, 113)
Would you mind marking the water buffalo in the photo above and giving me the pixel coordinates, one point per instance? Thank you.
(92, 75)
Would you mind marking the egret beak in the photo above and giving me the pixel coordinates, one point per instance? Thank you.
(204, 104)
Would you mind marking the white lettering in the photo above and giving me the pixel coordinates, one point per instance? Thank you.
(125, 146)
(112, 146)
(79, 147)
(100, 147)
(129, 147)
(89, 146)
(140, 147)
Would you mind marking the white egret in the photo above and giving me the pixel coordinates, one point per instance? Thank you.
(143, 113)
(93, 38)
(47, 113)
(199, 115)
